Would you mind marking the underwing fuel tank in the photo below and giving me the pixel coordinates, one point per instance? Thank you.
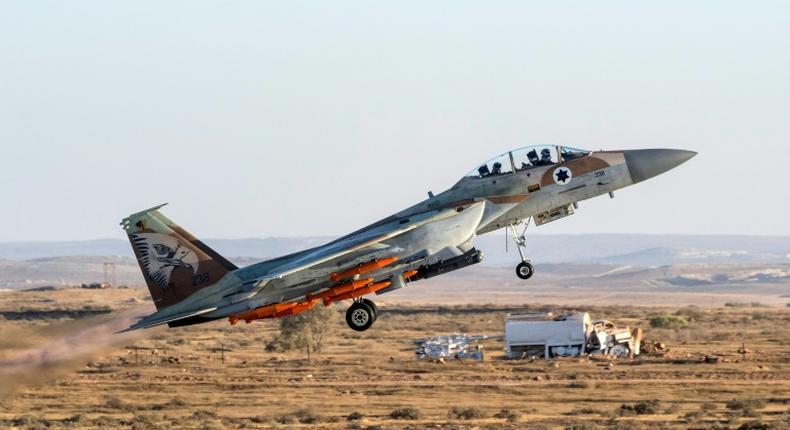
(473, 256)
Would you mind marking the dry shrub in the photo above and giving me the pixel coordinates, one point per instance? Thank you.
(507, 414)
(584, 411)
(756, 425)
(745, 305)
(203, 415)
(759, 316)
(646, 407)
(582, 426)
(27, 422)
(693, 415)
(470, 413)
(303, 416)
(355, 416)
(177, 402)
(114, 403)
(105, 422)
(580, 384)
(672, 408)
(144, 422)
(262, 419)
(407, 413)
(691, 313)
(746, 408)
(739, 405)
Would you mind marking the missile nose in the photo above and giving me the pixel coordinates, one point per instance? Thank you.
(646, 163)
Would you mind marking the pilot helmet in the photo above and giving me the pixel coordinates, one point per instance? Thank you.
(497, 165)
(545, 153)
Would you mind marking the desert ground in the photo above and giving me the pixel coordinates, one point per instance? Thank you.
(62, 367)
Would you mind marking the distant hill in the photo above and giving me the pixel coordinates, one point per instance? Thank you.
(620, 249)
(256, 248)
(605, 257)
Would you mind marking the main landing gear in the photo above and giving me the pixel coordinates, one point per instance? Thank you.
(361, 314)
(525, 269)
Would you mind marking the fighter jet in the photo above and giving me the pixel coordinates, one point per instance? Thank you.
(190, 283)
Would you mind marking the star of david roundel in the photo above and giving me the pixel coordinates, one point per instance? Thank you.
(562, 175)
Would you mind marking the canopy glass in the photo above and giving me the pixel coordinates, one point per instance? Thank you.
(526, 158)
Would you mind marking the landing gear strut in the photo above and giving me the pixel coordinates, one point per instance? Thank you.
(524, 270)
(361, 315)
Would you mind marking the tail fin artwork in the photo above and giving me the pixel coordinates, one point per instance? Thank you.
(175, 264)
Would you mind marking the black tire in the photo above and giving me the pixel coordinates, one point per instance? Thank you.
(360, 316)
(372, 306)
(525, 270)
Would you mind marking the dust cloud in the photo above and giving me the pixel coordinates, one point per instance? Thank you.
(39, 355)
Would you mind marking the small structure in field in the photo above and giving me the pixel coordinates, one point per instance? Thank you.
(454, 346)
(544, 335)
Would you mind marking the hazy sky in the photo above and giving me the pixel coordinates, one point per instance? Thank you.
(306, 118)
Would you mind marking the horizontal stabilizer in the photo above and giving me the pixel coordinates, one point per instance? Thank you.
(152, 320)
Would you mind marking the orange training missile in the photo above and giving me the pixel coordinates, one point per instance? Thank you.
(262, 312)
(340, 289)
(357, 293)
(409, 273)
(363, 268)
(298, 309)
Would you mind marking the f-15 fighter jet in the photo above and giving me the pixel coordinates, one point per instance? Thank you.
(190, 283)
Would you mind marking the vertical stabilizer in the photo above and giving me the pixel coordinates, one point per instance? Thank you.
(175, 264)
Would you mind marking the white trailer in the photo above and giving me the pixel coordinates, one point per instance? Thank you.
(546, 336)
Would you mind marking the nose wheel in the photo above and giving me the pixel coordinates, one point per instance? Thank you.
(525, 269)
(361, 315)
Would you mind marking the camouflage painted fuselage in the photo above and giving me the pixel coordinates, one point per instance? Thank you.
(422, 237)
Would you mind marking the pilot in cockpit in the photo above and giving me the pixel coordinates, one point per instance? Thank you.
(497, 169)
(545, 157)
(532, 156)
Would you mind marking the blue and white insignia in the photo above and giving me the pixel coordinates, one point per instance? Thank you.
(160, 254)
(562, 175)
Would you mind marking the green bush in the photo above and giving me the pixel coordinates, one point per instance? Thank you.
(668, 321)
(305, 331)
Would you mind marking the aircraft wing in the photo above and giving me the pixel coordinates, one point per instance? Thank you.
(368, 237)
(356, 242)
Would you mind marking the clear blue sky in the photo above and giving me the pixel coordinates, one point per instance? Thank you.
(304, 118)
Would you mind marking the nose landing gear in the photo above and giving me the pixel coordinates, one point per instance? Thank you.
(525, 269)
(361, 314)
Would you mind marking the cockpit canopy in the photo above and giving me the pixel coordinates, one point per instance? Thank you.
(526, 158)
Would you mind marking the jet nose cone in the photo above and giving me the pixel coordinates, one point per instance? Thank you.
(646, 163)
